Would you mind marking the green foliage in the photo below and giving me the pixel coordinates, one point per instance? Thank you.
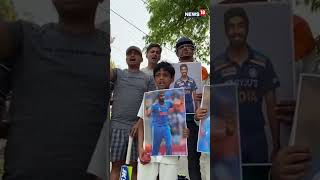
(7, 11)
(112, 64)
(314, 4)
(168, 23)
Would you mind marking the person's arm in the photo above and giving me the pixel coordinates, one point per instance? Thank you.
(140, 127)
(270, 100)
(135, 128)
(176, 84)
(140, 136)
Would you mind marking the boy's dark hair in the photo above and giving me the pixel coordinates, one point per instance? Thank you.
(165, 66)
(183, 65)
(235, 12)
(152, 45)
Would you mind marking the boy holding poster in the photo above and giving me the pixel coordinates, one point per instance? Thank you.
(149, 167)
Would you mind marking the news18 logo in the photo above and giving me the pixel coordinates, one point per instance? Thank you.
(200, 13)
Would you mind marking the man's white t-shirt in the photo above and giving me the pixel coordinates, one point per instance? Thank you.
(157, 159)
(147, 71)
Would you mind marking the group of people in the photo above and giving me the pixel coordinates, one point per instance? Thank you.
(57, 76)
(129, 87)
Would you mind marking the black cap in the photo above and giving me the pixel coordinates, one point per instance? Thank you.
(182, 41)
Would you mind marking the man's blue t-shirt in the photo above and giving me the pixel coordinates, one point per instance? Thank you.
(190, 86)
(160, 113)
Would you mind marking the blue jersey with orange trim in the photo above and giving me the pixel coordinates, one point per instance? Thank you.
(160, 113)
(255, 77)
(190, 86)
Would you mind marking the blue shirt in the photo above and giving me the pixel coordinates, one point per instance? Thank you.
(160, 113)
(190, 86)
(255, 77)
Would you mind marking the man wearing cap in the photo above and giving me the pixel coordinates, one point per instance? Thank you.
(185, 52)
(153, 55)
(257, 81)
(129, 87)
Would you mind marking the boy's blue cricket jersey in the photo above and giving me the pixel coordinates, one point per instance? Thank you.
(160, 113)
(255, 77)
(189, 86)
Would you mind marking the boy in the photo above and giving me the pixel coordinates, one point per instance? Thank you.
(149, 167)
(129, 87)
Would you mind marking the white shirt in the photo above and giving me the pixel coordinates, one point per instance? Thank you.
(147, 71)
(158, 159)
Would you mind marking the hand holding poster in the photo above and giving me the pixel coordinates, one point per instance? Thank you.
(164, 122)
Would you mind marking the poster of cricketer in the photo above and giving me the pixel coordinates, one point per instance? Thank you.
(204, 125)
(225, 134)
(188, 76)
(164, 122)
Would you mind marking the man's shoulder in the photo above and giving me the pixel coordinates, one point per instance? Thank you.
(220, 61)
(23, 28)
(259, 58)
(169, 102)
(144, 69)
(190, 79)
(147, 77)
(154, 105)
(178, 81)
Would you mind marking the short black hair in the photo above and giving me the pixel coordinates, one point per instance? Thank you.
(165, 66)
(152, 45)
(235, 12)
(183, 65)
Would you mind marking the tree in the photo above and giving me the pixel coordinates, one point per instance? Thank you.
(314, 4)
(168, 23)
(7, 11)
(112, 64)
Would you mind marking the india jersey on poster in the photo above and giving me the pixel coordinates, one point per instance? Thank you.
(164, 122)
(188, 76)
